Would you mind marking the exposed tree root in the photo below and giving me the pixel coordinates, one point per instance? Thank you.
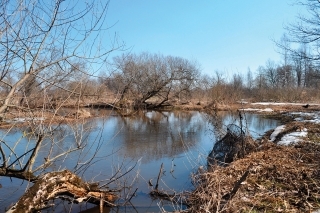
(55, 184)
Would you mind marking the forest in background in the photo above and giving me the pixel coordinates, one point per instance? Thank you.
(149, 81)
(38, 72)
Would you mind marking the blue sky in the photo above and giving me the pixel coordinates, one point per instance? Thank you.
(224, 35)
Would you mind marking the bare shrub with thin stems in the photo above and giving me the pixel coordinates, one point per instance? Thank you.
(44, 46)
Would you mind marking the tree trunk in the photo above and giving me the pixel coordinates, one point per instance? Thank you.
(63, 183)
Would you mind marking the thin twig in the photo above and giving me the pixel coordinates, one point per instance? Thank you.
(159, 175)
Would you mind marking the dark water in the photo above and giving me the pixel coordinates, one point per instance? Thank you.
(131, 149)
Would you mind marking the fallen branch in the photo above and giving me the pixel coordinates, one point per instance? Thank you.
(63, 183)
(237, 185)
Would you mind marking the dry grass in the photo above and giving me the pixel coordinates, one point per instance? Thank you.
(279, 179)
(36, 116)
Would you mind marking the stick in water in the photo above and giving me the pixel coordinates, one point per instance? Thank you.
(160, 172)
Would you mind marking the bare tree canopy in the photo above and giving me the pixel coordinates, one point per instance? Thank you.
(152, 79)
(305, 31)
(44, 45)
(300, 49)
(45, 40)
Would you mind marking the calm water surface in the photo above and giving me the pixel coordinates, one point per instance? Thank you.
(138, 144)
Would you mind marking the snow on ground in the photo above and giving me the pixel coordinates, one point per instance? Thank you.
(293, 137)
(258, 110)
(304, 114)
(266, 110)
(21, 120)
(313, 117)
(290, 138)
(250, 109)
(242, 101)
(277, 103)
(276, 132)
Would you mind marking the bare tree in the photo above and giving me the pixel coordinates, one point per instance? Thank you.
(237, 82)
(43, 40)
(270, 73)
(284, 44)
(285, 75)
(202, 90)
(42, 47)
(306, 30)
(151, 80)
(218, 87)
(304, 33)
(249, 79)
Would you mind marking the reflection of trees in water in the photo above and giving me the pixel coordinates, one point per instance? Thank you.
(219, 120)
(64, 138)
(38, 148)
(258, 125)
(153, 135)
(254, 124)
(238, 139)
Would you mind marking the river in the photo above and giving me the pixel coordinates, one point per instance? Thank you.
(132, 149)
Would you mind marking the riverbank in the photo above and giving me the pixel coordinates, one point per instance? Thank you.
(237, 173)
(281, 175)
(72, 113)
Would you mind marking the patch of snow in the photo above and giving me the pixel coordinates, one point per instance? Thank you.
(282, 103)
(305, 116)
(293, 137)
(258, 110)
(311, 114)
(276, 132)
(266, 110)
(243, 102)
(276, 103)
(20, 120)
(249, 109)
(290, 138)
(316, 121)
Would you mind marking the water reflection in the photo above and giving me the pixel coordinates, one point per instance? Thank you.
(254, 124)
(154, 135)
(176, 139)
